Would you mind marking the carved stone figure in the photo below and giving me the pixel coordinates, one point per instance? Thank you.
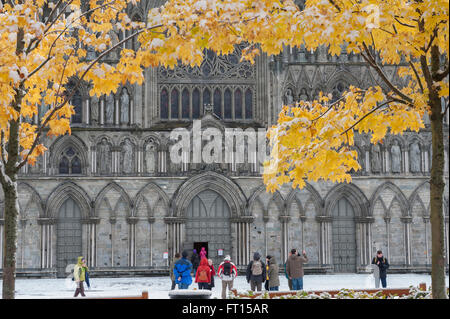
(303, 95)
(150, 157)
(127, 156)
(288, 97)
(104, 153)
(415, 158)
(94, 110)
(396, 158)
(109, 118)
(376, 158)
(124, 107)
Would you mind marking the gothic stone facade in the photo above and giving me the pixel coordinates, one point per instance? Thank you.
(109, 191)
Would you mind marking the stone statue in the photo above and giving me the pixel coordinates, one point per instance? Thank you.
(376, 158)
(127, 156)
(150, 157)
(396, 158)
(289, 97)
(124, 107)
(94, 109)
(303, 95)
(415, 158)
(109, 118)
(104, 152)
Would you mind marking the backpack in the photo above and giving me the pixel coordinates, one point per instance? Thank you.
(257, 268)
(203, 276)
(227, 269)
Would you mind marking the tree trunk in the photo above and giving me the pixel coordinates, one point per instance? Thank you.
(10, 240)
(437, 220)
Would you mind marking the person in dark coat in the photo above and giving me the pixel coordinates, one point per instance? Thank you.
(294, 268)
(182, 271)
(274, 280)
(383, 266)
(266, 283)
(256, 272)
(195, 260)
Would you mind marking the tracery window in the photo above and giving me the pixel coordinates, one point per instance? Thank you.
(221, 81)
(70, 162)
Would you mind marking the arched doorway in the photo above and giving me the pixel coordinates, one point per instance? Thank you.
(208, 221)
(344, 237)
(68, 243)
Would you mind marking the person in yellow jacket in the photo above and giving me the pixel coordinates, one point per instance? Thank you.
(79, 275)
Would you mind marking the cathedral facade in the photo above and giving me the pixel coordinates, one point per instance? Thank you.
(110, 191)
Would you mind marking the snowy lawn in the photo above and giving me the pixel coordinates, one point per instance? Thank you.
(158, 287)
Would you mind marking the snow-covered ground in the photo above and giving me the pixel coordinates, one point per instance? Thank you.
(159, 287)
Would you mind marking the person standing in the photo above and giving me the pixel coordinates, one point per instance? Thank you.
(256, 272)
(383, 265)
(203, 253)
(266, 283)
(203, 274)
(274, 280)
(294, 269)
(182, 271)
(213, 273)
(227, 271)
(195, 260)
(171, 266)
(286, 274)
(79, 275)
(86, 275)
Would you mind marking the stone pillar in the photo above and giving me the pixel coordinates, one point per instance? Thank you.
(426, 221)
(112, 221)
(46, 241)
(242, 227)
(132, 221)
(93, 159)
(363, 240)
(89, 241)
(151, 221)
(325, 239)
(87, 110)
(175, 234)
(116, 112)
(102, 111)
(284, 220)
(407, 220)
(387, 220)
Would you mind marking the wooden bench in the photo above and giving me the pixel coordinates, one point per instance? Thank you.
(332, 293)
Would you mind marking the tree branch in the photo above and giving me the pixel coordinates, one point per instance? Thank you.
(369, 58)
(366, 115)
(77, 85)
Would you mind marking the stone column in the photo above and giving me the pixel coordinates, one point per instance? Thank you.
(151, 221)
(364, 240)
(387, 220)
(93, 149)
(325, 240)
(46, 241)
(284, 220)
(132, 221)
(102, 111)
(112, 221)
(2, 223)
(175, 234)
(426, 221)
(407, 220)
(242, 226)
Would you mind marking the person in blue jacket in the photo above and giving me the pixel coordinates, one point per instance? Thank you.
(182, 271)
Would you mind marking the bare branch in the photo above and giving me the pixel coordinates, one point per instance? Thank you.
(417, 75)
(369, 58)
(367, 115)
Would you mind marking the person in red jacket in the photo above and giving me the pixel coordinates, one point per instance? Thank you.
(203, 274)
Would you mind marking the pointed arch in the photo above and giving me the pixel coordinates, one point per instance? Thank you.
(353, 194)
(113, 186)
(398, 195)
(229, 190)
(64, 191)
(34, 199)
(161, 197)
